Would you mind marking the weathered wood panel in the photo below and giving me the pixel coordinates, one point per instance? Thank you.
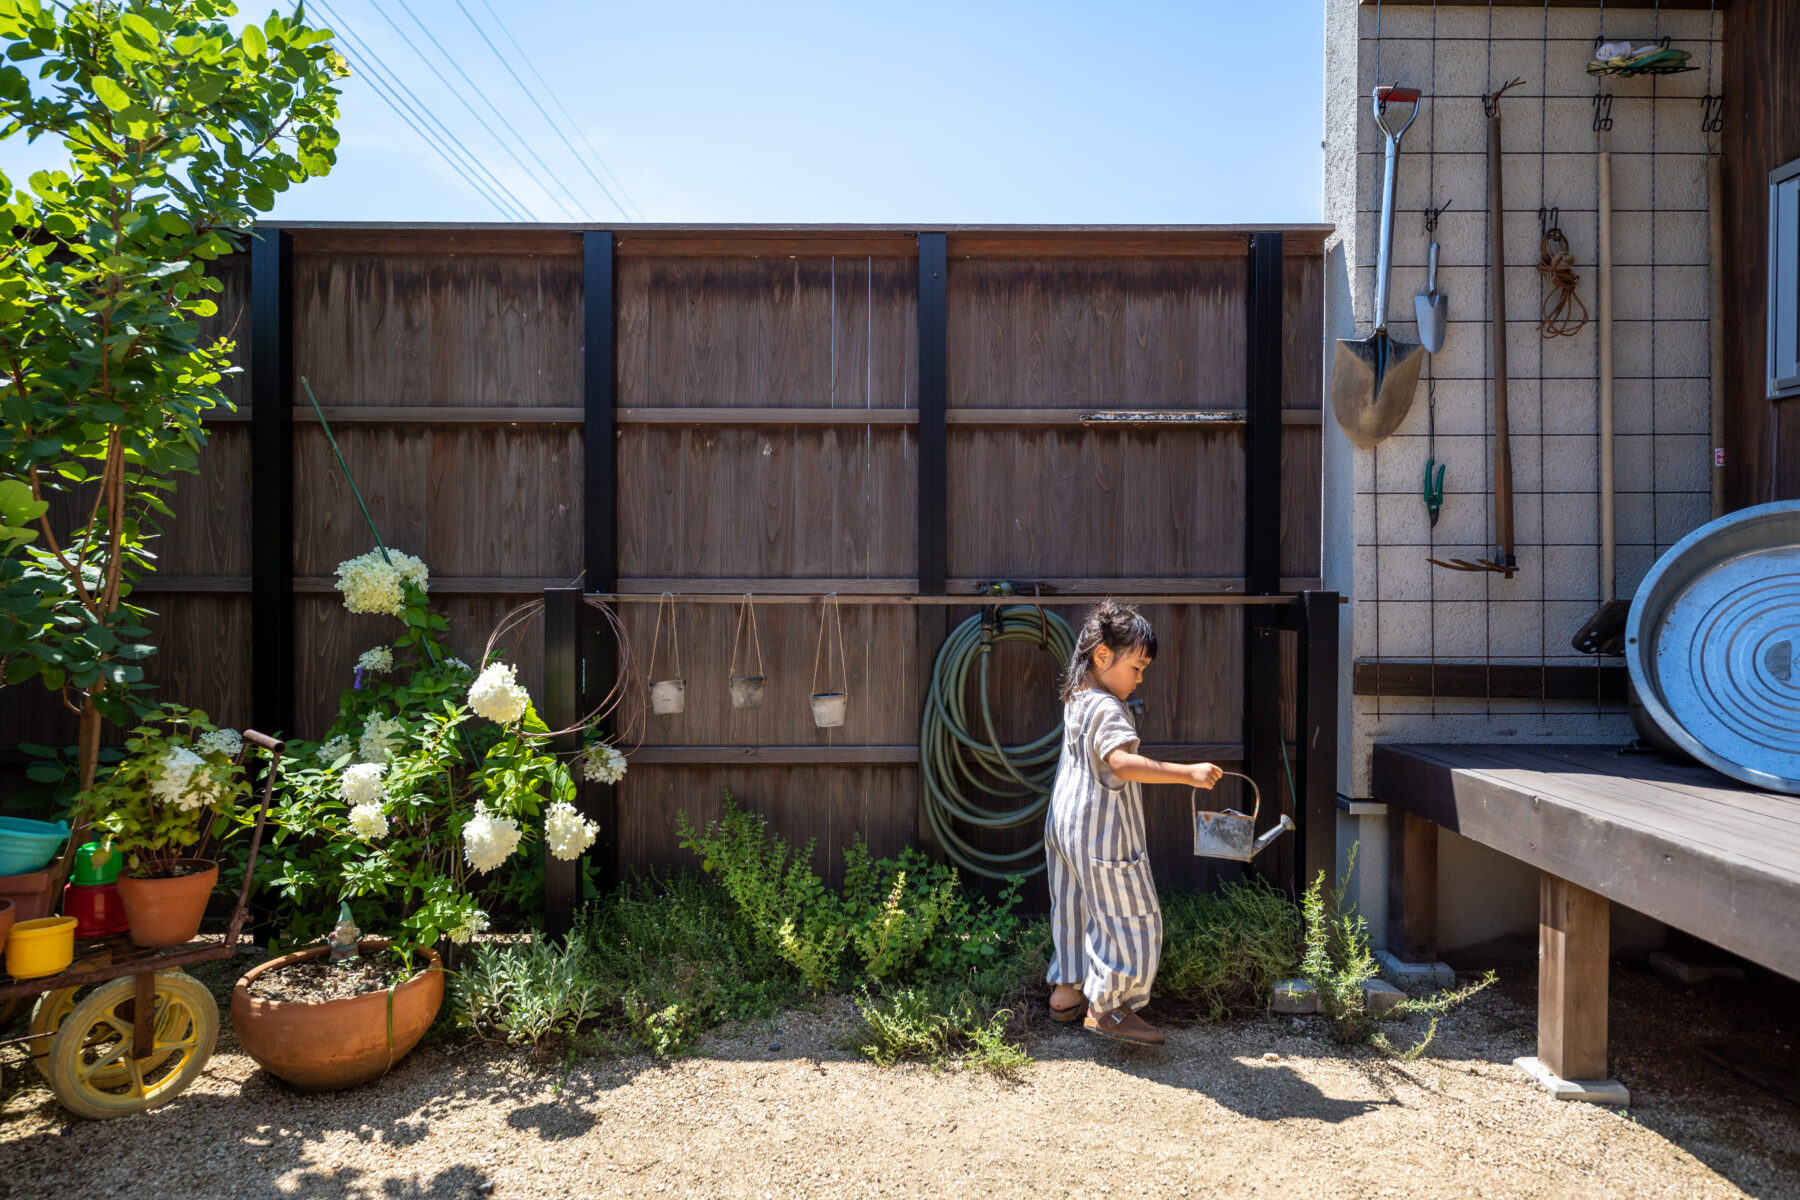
(486, 329)
(829, 332)
(1761, 133)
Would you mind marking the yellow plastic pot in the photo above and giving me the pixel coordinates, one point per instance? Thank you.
(41, 947)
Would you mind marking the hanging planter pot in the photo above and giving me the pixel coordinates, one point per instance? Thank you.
(667, 696)
(746, 690)
(829, 707)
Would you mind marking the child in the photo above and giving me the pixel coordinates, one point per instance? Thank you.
(1105, 923)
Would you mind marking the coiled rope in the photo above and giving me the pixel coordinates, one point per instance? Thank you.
(975, 780)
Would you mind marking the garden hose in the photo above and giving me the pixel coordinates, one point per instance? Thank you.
(975, 780)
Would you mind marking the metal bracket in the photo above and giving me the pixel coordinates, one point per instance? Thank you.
(1602, 112)
(1712, 119)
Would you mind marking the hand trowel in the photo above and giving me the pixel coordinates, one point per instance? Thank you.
(1432, 307)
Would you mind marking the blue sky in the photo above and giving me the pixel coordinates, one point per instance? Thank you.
(975, 112)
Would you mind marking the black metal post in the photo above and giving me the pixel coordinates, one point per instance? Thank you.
(1262, 529)
(596, 647)
(271, 482)
(1316, 725)
(562, 703)
(933, 541)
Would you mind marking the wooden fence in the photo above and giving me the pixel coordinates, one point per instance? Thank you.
(896, 417)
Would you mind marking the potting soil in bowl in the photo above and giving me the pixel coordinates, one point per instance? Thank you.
(318, 979)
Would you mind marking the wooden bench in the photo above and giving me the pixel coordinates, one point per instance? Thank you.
(1682, 844)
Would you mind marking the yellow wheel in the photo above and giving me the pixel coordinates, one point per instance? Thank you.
(91, 1066)
(54, 1006)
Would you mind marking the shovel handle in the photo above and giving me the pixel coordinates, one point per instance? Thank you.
(1383, 96)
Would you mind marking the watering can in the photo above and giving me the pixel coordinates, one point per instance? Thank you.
(1231, 834)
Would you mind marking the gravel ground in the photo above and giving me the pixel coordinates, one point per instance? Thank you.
(1251, 1108)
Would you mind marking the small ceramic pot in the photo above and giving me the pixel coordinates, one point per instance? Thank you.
(335, 1044)
(6, 919)
(668, 696)
(746, 691)
(167, 912)
(828, 709)
(33, 894)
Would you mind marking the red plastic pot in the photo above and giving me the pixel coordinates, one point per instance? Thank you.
(96, 907)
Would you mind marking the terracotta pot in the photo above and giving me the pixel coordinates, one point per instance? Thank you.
(167, 912)
(32, 894)
(335, 1044)
(6, 919)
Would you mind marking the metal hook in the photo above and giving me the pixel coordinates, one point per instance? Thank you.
(1491, 104)
(1432, 215)
(1712, 118)
(1548, 222)
(1602, 112)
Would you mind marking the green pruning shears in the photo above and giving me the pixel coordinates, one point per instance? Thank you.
(1434, 490)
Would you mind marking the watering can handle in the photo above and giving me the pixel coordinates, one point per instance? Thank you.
(1255, 795)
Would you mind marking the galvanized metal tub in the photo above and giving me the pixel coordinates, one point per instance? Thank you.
(1713, 645)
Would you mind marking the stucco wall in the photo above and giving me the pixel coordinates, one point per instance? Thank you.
(1378, 536)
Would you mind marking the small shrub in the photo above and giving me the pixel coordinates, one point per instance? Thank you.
(940, 1029)
(1226, 950)
(526, 991)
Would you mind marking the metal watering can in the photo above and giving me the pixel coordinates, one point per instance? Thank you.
(1231, 834)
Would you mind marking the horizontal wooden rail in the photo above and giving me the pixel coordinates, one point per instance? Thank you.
(1490, 681)
(875, 755)
(1172, 590)
(445, 414)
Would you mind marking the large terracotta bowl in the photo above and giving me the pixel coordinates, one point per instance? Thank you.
(334, 1044)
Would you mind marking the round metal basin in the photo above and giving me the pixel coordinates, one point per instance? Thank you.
(1713, 645)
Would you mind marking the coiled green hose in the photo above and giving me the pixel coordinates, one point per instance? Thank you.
(965, 774)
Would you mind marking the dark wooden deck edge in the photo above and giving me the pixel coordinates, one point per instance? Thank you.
(1745, 908)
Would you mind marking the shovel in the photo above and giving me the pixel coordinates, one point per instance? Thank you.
(1431, 307)
(1373, 379)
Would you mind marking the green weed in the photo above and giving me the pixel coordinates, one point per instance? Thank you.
(1226, 950)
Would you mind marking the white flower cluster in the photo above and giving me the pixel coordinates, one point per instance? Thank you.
(183, 780)
(228, 742)
(488, 840)
(362, 784)
(603, 764)
(373, 584)
(378, 660)
(334, 749)
(368, 822)
(381, 737)
(567, 832)
(496, 695)
(472, 925)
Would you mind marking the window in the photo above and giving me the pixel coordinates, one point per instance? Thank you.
(1784, 281)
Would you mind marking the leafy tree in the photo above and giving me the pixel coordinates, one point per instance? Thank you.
(179, 131)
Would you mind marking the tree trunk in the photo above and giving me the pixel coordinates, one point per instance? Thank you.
(88, 756)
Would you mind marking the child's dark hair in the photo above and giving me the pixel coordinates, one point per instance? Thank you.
(1119, 627)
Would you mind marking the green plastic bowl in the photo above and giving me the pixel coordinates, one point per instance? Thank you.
(87, 874)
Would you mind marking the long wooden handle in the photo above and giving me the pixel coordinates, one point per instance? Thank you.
(1715, 230)
(1608, 503)
(1503, 490)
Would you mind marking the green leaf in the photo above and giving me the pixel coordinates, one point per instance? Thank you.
(255, 47)
(111, 94)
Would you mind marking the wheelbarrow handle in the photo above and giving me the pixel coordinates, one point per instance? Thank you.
(272, 745)
(1384, 96)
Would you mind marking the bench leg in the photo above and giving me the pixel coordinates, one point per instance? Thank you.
(1412, 887)
(1573, 946)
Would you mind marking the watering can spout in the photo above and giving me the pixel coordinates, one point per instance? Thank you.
(1282, 826)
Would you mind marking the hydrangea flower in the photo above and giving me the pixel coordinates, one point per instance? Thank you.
(228, 742)
(603, 764)
(567, 832)
(378, 660)
(489, 840)
(176, 783)
(372, 583)
(381, 736)
(473, 924)
(496, 695)
(362, 784)
(334, 749)
(368, 822)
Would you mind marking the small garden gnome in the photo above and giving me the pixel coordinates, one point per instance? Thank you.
(345, 936)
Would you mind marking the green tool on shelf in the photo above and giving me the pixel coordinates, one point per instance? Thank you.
(1434, 489)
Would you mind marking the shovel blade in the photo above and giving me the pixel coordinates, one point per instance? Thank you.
(1433, 310)
(1372, 384)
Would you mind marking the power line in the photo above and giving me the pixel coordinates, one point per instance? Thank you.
(394, 92)
(457, 67)
(636, 213)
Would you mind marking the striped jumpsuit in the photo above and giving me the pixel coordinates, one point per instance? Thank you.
(1105, 923)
